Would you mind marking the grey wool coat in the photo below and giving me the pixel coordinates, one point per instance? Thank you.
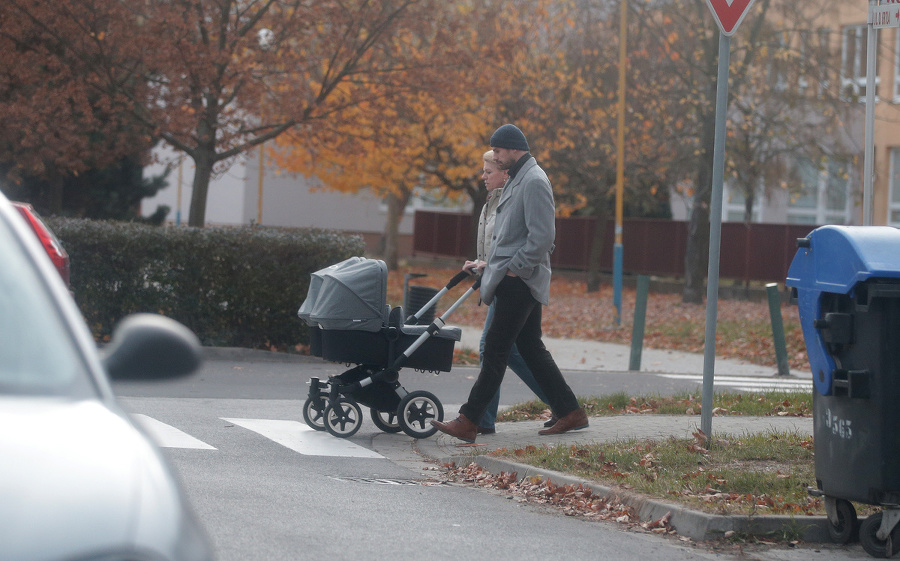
(524, 231)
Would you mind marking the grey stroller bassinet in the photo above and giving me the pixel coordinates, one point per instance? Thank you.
(350, 322)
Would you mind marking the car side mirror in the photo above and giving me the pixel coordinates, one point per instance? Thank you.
(150, 346)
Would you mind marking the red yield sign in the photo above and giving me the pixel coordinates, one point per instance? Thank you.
(729, 13)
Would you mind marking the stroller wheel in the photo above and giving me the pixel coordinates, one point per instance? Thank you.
(314, 413)
(343, 417)
(415, 412)
(386, 421)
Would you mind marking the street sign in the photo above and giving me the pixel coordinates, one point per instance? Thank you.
(885, 15)
(881, 14)
(729, 13)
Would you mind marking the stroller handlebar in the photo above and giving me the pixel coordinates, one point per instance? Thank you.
(458, 278)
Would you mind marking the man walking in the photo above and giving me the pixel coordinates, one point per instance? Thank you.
(516, 279)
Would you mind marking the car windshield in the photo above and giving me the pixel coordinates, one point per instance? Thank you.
(38, 355)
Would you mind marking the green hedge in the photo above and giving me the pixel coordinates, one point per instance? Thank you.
(234, 287)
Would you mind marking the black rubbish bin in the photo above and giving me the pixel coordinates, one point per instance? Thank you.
(418, 296)
(846, 281)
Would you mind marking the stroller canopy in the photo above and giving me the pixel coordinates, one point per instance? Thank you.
(352, 296)
(315, 284)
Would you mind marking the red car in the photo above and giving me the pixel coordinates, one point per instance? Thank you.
(48, 239)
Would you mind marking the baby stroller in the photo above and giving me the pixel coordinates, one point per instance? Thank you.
(350, 322)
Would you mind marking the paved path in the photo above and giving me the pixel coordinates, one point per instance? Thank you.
(574, 354)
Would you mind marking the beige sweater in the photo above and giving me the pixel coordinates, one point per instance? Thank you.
(486, 224)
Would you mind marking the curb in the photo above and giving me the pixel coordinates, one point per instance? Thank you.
(254, 355)
(699, 526)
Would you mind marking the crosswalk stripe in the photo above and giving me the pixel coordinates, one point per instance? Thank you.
(301, 438)
(762, 389)
(167, 436)
(748, 383)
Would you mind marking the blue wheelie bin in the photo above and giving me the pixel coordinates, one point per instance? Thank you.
(846, 282)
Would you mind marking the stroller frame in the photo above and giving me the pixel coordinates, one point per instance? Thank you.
(333, 405)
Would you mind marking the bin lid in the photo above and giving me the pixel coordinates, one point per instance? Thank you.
(835, 260)
(839, 257)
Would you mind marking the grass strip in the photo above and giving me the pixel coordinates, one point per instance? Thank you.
(777, 403)
(749, 474)
(752, 474)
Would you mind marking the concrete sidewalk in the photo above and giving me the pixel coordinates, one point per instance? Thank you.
(596, 356)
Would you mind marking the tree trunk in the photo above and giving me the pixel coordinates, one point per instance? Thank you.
(203, 167)
(596, 251)
(696, 258)
(55, 194)
(749, 199)
(396, 204)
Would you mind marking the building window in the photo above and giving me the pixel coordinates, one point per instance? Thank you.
(897, 67)
(838, 193)
(822, 195)
(777, 66)
(805, 50)
(894, 206)
(735, 204)
(824, 55)
(853, 63)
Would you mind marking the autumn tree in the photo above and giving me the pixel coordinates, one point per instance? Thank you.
(54, 123)
(786, 115)
(571, 114)
(214, 78)
(382, 152)
(685, 28)
(113, 192)
(431, 137)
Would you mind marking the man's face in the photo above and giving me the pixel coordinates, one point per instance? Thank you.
(504, 157)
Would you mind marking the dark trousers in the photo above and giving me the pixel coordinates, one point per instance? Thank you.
(517, 320)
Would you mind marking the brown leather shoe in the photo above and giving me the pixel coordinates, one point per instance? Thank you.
(573, 421)
(460, 427)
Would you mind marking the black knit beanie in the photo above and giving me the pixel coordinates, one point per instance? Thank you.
(510, 137)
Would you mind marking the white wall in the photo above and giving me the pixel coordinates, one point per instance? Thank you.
(288, 200)
(225, 203)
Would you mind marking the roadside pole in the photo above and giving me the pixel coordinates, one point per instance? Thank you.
(728, 16)
(871, 40)
(618, 248)
(885, 14)
(715, 235)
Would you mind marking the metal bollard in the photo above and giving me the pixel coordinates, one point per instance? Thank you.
(637, 328)
(777, 329)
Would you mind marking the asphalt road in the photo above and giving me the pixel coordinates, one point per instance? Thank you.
(249, 379)
(269, 488)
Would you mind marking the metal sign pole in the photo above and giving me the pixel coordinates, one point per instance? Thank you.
(715, 234)
(871, 40)
(618, 248)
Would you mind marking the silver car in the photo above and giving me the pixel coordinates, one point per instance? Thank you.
(78, 479)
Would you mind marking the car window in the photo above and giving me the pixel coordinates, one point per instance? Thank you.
(38, 355)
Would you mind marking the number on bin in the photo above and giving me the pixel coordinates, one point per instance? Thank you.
(839, 427)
